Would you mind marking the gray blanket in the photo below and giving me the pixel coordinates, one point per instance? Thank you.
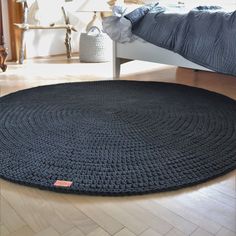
(205, 35)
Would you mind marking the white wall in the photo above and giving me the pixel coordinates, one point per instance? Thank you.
(51, 42)
(6, 27)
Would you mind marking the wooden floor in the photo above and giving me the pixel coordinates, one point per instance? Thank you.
(203, 210)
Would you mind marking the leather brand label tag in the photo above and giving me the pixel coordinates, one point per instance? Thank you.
(63, 183)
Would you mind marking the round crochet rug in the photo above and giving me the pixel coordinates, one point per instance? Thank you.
(116, 137)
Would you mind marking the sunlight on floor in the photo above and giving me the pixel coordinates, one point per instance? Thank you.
(59, 70)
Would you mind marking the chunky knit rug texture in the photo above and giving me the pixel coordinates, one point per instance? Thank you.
(116, 137)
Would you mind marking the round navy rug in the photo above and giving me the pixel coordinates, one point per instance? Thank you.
(116, 137)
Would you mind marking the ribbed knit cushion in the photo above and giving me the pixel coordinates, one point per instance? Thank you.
(116, 137)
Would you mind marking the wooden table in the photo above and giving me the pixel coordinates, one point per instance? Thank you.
(24, 27)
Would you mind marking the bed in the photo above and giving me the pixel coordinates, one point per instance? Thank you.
(142, 50)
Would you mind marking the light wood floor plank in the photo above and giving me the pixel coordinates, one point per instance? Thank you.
(74, 232)
(98, 232)
(225, 232)
(61, 224)
(90, 209)
(175, 220)
(229, 184)
(175, 232)
(125, 232)
(153, 221)
(49, 231)
(192, 216)
(150, 232)
(211, 209)
(69, 214)
(24, 231)
(10, 219)
(134, 225)
(201, 232)
(27, 204)
(219, 196)
(60, 221)
(228, 191)
(4, 231)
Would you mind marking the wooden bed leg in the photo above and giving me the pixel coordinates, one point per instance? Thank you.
(116, 62)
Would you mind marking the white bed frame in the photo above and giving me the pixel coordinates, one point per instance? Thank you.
(144, 51)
